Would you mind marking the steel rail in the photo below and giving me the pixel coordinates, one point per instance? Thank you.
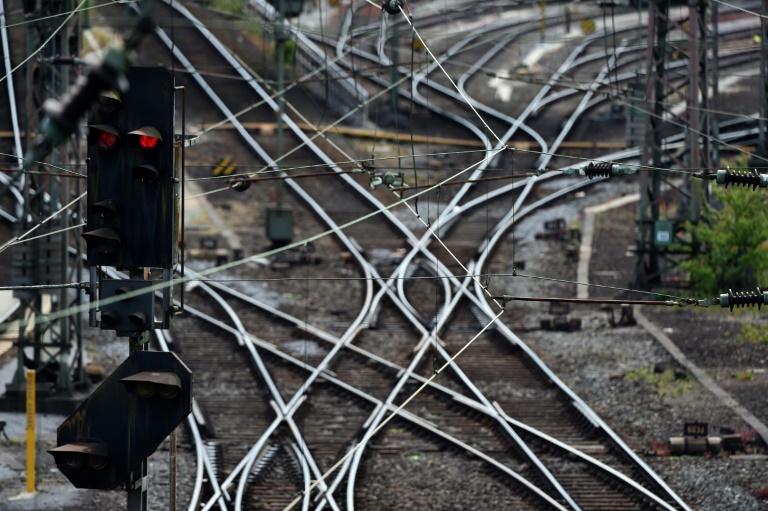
(330, 378)
(481, 292)
(512, 338)
(283, 408)
(554, 196)
(340, 51)
(543, 164)
(476, 404)
(4, 179)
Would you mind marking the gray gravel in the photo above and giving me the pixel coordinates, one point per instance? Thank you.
(600, 364)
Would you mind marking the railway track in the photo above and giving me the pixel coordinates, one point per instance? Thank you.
(291, 341)
(10, 130)
(294, 414)
(370, 393)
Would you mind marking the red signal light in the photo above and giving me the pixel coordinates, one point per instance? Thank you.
(104, 136)
(146, 138)
(147, 143)
(107, 140)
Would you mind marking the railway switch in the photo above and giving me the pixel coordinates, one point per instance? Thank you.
(124, 420)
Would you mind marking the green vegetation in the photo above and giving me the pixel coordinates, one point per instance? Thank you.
(754, 334)
(228, 6)
(289, 51)
(664, 383)
(733, 236)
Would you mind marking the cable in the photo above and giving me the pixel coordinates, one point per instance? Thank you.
(45, 43)
(76, 10)
(18, 239)
(742, 9)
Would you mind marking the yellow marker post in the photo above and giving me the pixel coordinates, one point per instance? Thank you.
(31, 430)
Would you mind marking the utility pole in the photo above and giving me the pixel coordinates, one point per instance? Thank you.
(647, 268)
(281, 36)
(762, 149)
(280, 217)
(655, 234)
(394, 75)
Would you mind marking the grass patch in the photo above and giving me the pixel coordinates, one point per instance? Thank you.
(753, 334)
(227, 6)
(664, 384)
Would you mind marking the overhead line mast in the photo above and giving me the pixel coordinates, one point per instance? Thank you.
(656, 234)
(54, 347)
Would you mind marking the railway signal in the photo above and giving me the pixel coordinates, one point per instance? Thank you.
(124, 420)
(133, 189)
(126, 306)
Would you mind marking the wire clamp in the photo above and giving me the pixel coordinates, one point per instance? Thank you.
(387, 179)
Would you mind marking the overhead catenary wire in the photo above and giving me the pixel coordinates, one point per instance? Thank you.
(65, 13)
(531, 151)
(18, 239)
(436, 371)
(55, 31)
(222, 189)
(663, 169)
(392, 85)
(233, 264)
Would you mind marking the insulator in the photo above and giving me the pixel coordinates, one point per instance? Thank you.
(743, 299)
(738, 178)
(240, 184)
(601, 169)
(392, 6)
